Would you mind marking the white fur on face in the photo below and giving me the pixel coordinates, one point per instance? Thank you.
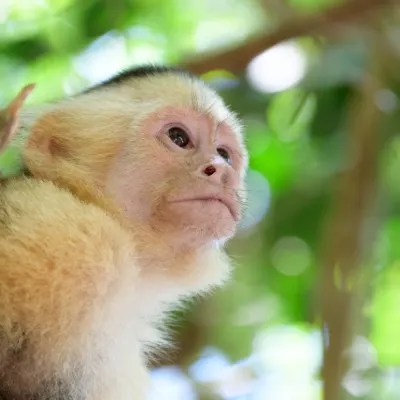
(178, 98)
(142, 96)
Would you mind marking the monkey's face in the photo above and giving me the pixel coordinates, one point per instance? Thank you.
(183, 174)
(165, 149)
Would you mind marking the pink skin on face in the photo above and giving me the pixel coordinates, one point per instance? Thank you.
(190, 193)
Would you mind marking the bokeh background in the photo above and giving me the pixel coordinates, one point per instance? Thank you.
(313, 307)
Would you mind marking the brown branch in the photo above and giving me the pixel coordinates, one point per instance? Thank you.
(345, 243)
(236, 59)
(278, 8)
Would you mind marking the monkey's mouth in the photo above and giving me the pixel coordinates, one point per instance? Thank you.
(228, 203)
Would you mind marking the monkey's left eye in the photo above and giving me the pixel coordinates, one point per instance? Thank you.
(224, 154)
(179, 136)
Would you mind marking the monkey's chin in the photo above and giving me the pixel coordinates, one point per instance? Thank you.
(202, 221)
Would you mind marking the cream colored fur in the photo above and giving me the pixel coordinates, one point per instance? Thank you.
(80, 301)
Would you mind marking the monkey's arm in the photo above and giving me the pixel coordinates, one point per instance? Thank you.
(67, 284)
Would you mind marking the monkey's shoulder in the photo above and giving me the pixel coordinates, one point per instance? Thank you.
(62, 262)
(25, 196)
(40, 209)
(51, 242)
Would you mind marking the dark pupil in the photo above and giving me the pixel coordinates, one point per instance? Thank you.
(179, 136)
(224, 154)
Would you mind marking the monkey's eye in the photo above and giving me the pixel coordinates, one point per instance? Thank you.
(224, 154)
(178, 136)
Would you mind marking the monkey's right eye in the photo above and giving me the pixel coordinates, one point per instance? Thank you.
(178, 136)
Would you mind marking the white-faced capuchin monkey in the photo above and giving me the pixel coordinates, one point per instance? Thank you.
(132, 190)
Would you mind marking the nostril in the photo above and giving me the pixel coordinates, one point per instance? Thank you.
(210, 170)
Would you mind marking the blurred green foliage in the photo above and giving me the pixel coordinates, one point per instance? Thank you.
(295, 138)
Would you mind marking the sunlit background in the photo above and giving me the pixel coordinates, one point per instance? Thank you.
(258, 338)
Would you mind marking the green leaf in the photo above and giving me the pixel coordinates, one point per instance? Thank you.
(49, 73)
(331, 109)
(290, 113)
(385, 316)
(10, 162)
(276, 162)
(340, 64)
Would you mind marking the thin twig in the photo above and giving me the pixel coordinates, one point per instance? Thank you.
(324, 23)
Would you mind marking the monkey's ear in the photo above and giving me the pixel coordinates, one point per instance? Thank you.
(9, 116)
(47, 145)
(47, 133)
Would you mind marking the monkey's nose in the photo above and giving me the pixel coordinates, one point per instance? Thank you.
(209, 170)
(214, 172)
(219, 174)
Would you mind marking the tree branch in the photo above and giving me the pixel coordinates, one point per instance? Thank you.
(236, 59)
(345, 243)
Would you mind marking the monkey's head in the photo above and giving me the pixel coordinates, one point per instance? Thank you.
(156, 141)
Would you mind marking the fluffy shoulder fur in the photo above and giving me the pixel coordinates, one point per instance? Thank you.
(77, 286)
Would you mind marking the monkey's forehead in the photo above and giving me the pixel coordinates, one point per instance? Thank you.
(149, 93)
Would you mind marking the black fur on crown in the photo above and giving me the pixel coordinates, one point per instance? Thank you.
(143, 71)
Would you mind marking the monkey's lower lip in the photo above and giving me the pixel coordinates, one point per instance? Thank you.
(229, 205)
